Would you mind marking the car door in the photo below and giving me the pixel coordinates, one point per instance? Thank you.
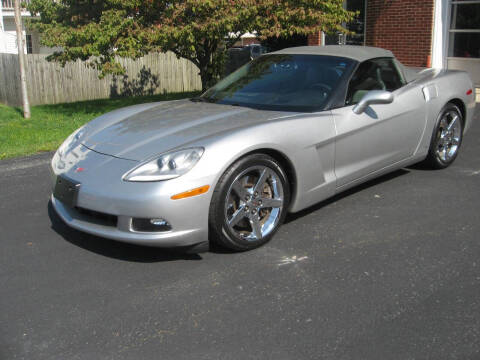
(384, 134)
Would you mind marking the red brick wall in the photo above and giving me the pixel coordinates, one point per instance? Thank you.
(315, 39)
(249, 41)
(403, 26)
(246, 41)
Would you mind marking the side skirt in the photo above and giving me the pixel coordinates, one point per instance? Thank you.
(398, 165)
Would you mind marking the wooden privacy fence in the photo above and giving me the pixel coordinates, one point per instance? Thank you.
(49, 83)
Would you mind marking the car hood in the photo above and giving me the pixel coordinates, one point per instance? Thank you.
(141, 131)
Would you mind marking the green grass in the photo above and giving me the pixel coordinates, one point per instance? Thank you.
(51, 124)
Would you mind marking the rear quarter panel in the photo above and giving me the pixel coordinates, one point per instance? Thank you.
(440, 87)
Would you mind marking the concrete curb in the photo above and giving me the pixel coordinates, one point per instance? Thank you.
(25, 162)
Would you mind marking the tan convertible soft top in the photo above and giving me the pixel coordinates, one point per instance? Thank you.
(359, 53)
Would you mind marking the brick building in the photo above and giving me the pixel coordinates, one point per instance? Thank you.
(423, 33)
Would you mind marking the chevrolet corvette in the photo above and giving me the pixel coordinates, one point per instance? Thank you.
(285, 131)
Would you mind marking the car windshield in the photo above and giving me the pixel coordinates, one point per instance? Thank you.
(282, 82)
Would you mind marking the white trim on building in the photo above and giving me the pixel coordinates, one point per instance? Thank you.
(443, 41)
(8, 33)
(440, 34)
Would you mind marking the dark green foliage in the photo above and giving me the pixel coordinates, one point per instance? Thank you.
(198, 30)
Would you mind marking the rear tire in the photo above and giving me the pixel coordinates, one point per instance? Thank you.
(249, 203)
(446, 138)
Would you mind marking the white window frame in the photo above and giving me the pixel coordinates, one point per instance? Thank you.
(456, 31)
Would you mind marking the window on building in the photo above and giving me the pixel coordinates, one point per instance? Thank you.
(357, 26)
(29, 44)
(465, 29)
(376, 74)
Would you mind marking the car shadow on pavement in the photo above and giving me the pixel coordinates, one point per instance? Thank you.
(115, 249)
(421, 166)
(358, 188)
(135, 253)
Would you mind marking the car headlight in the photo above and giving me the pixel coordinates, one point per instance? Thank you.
(168, 166)
(71, 140)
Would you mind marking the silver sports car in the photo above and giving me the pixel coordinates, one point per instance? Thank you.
(287, 130)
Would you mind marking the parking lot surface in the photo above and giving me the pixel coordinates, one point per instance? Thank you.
(389, 270)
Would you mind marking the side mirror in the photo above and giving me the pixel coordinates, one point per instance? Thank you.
(373, 97)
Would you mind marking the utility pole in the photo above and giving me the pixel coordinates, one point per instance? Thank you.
(21, 60)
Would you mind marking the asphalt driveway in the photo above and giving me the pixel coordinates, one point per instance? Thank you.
(390, 270)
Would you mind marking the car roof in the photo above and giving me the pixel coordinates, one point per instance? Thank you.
(359, 53)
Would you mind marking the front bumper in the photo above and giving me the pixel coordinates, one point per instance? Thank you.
(123, 229)
(103, 192)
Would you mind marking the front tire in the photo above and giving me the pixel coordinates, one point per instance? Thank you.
(249, 203)
(447, 138)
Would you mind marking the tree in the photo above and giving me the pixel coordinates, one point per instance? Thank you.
(198, 30)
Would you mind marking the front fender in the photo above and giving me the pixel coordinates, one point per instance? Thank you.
(306, 141)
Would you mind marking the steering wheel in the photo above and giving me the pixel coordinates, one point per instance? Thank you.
(322, 87)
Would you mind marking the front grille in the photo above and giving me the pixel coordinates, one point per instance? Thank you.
(97, 217)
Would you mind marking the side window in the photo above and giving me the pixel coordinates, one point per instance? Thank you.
(376, 74)
(389, 74)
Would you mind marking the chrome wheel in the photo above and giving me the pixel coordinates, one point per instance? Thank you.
(449, 135)
(254, 203)
(249, 203)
